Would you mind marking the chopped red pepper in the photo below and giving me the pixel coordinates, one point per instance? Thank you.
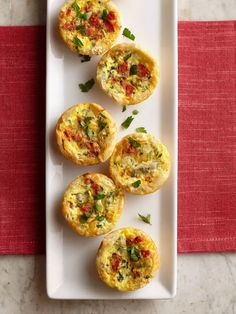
(129, 90)
(116, 261)
(96, 188)
(145, 253)
(111, 16)
(88, 7)
(109, 27)
(131, 150)
(68, 12)
(138, 239)
(94, 20)
(85, 208)
(71, 26)
(123, 67)
(142, 70)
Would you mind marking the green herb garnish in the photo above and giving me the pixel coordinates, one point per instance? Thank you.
(84, 16)
(96, 208)
(77, 42)
(127, 56)
(85, 126)
(135, 112)
(86, 86)
(141, 130)
(83, 219)
(134, 253)
(81, 29)
(124, 108)
(120, 277)
(99, 196)
(127, 122)
(104, 15)
(100, 218)
(76, 7)
(127, 33)
(146, 219)
(136, 184)
(85, 58)
(133, 69)
(134, 143)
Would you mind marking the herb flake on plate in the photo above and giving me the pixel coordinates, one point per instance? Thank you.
(86, 86)
(135, 112)
(127, 122)
(146, 219)
(127, 33)
(141, 130)
(124, 108)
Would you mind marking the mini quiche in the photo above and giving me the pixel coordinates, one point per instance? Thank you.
(92, 204)
(140, 163)
(127, 259)
(86, 133)
(128, 74)
(89, 27)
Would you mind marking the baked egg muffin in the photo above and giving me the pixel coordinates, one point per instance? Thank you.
(140, 163)
(92, 204)
(86, 133)
(128, 74)
(127, 259)
(89, 27)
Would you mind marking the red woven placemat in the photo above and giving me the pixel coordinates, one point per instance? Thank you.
(207, 139)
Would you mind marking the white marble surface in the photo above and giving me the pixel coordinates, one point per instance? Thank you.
(206, 282)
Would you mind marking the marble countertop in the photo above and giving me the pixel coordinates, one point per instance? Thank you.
(206, 282)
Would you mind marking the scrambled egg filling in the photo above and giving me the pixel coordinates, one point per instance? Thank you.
(92, 203)
(126, 74)
(85, 133)
(88, 23)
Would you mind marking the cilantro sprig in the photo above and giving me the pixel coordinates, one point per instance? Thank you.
(86, 86)
(127, 33)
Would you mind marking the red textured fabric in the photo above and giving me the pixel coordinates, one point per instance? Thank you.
(22, 99)
(207, 138)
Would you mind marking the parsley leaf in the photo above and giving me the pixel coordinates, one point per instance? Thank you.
(135, 112)
(127, 56)
(141, 130)
(134, 143)
(133, 69)
(77, 42)
(99, 196)
(127, 33)
(124, 109)
(76, 7)
(127, 122)
(134, 253)
(81, 29)
(146, 219)
(104, 15)
(136, 184)
(86, 86)
(83, 219)
(85, 58)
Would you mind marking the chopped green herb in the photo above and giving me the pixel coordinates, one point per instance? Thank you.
(127, 33)
(134, 143)
(85, 58)
(127, 122)
(120, 277)
(76, 7)
(99, 196)
(81, 29)
(99, 226)
(83, 219)
(147, 277)
(96, 208)
(136, 184)
(135, 112)
(127, 56)
(102, 125)
(84, 16)
(104, 15)
(133, 69)
(86, 86)
(100, 218)
(124, 108)
(159, 156)
(141, 130)
(77, 42)
(146, 219)
(134, 253)
(85, 126)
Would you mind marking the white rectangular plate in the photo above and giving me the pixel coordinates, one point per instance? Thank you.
(71, 272)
